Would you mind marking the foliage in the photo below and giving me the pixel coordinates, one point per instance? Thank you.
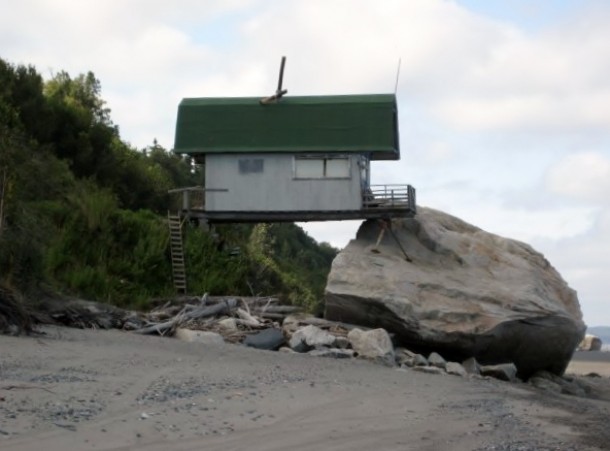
(118, 257)
(84, 212)
(290, 262)
(26, 191)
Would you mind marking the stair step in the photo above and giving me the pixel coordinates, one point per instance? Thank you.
(177, 252)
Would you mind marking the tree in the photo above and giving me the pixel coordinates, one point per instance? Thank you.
(83, 133)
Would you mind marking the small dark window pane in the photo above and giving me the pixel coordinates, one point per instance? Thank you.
(250, 165)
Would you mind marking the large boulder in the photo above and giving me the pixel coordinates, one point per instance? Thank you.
(590, 343)
(462, 292)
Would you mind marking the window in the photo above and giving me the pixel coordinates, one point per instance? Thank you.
(309, 168)
(321, 167)
(250, 165)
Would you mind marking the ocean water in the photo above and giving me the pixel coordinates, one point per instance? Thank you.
(606, 348)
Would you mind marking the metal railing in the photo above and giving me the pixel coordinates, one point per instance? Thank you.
(374, 197)
(193, 197)
(389, 196)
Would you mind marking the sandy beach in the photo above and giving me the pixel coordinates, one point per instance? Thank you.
(585, 362)
(111, 390)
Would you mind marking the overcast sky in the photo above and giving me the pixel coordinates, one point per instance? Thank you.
(504, 105)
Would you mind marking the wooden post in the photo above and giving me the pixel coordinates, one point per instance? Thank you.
(186, 199)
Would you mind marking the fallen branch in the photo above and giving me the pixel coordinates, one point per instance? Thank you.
(246, 319)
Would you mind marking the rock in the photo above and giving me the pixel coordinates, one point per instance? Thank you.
(373, 344)
(429, 369)
(341, 342)
(456, 369)
(420, 360)
(228, 324)
(465, 293)
(287, 350)
(404, 357)
(199, 336)
(293, 322)
(437, 360)
(505, 372)
(309, 337)
(565, 386)
(299, 345)
(404, 351)
(472, 366)
(405, 361)
(590, 343)
(544, 384)
(269, 339)
(335, 353)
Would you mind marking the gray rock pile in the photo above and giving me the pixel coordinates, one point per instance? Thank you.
(462, 292)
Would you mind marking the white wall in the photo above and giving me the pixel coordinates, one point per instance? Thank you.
(275, 188)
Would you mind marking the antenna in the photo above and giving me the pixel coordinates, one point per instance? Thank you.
(397, 76)
(279, 92)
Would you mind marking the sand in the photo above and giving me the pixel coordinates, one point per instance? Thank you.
(112, 390)
(586, 362)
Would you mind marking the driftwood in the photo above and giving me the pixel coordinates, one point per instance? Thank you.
(160, 304)
(188, 313)
(272, 316)
(248, 314)
(246, 319)
(284, 309)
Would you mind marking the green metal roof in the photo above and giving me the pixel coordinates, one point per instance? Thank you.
(307, 124)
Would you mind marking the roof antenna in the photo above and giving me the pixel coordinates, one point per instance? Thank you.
(397, 76)
(279, 92)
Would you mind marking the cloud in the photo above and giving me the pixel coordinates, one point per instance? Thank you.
(583, 261)
(584, 176)
(464, 69)
(336, 233)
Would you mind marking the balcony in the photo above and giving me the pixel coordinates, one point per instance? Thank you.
(378, 202)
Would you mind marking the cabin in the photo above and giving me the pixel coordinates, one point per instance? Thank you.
(295, 158)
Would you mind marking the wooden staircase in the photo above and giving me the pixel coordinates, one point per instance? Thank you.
(177, 252)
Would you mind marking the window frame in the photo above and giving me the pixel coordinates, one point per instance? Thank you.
(248, 166)
(325, 159)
